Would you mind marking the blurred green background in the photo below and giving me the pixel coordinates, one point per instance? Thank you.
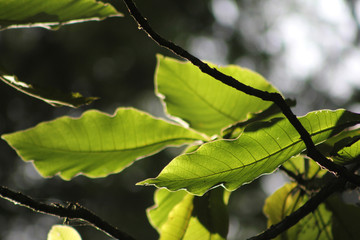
(308, 49)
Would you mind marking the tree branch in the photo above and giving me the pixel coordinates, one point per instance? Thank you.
(74, 211)
(308, 207)
(232, 82)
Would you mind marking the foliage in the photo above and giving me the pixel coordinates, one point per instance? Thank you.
(96, 144)
(52, 97)
(260, 149)
(207, 106)
(61, 232)
(229, 142)
(52, 13)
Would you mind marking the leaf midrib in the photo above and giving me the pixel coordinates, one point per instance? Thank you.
(262, 159)
(108, 151)
(200, 97)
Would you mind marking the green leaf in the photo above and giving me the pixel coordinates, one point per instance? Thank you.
(348, 154)
(345, 219)
(280, 203)
(286, 200)
(62, 232)
(334, 144)
(344, 148)
(165, 201)
(179, 215)
(234, 130)
(96, 144)
(304, 167)
(51, 97)
(207, 104)
(52, 13)
(260, 149)
(210, 218)
(172, 213)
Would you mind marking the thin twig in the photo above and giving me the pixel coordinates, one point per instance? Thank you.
(232, 82)
(300, 213)
(74, 211)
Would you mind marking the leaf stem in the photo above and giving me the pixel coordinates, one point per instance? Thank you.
(73, 211)
(232, 82)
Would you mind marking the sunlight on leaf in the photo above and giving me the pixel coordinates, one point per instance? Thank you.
(165, 201)
(63, 232)
(96, 144)
(304, 167)
(205, 104)
(260, 149)
(210, 218)
(348, 154)
(343, 148)
(316, 225)
(179, 215)
(178, 219)
(335, 144)
(52, 97)
(52, 13)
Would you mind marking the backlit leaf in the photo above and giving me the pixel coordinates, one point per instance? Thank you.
(260, 149)
(52, 13)
(180, 215)
(207, 104)
(210, 218)
(165, 201)
(51, 97)
(63, 232)
(96, 144)
(286, 200)
(307, 168)
(348, 154)
(333, 145)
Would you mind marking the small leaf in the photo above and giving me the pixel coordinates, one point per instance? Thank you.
(178, 219)
(179, 215)
(62, 232)
(343, 148)
(165, 201)
(52, 13)
(54, 98)
(260, 149)
(304, 167)
(348, 154)
(96, 144)
(206, 104)
(286, 200)
(280, 203)
(334, 144)
(210, 218)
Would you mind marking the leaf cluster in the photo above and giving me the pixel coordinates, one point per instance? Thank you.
(232, 138)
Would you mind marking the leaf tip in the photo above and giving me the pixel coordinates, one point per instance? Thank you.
(159, 56)
(144, 183)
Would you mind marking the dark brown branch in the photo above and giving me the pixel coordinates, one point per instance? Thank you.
(297, 178)
(74, 211)
(308, 185)
(232, 82)
(308, 207)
